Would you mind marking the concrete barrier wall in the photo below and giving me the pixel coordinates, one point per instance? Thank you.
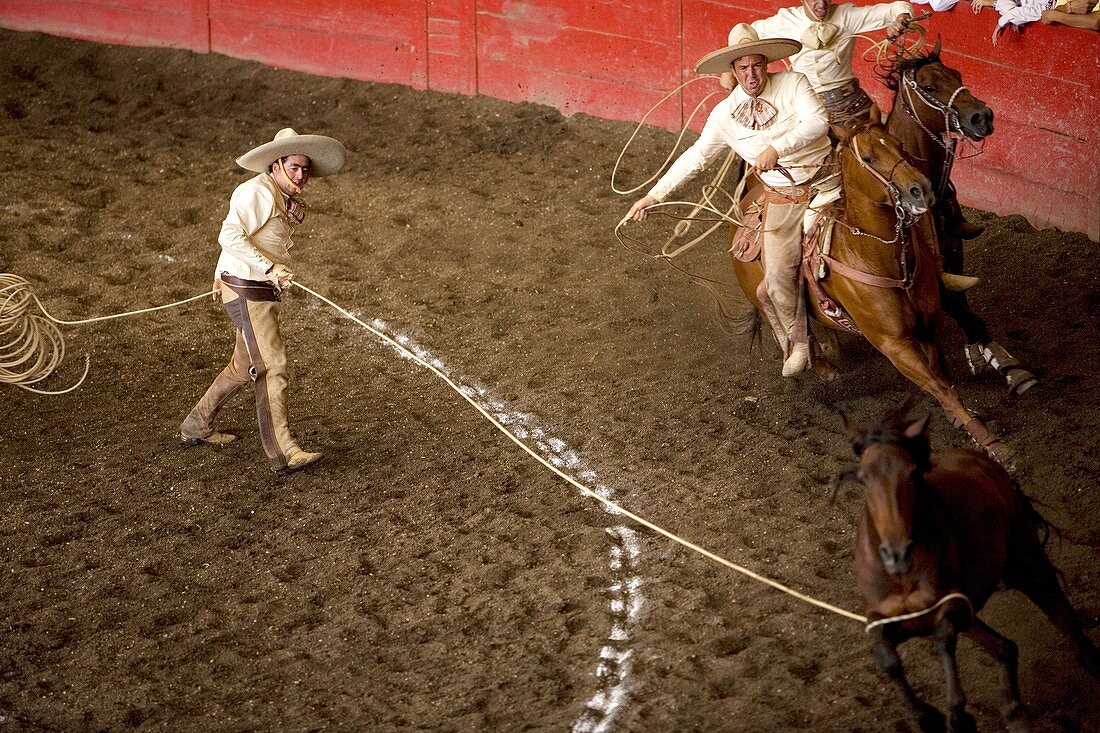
(616, 58)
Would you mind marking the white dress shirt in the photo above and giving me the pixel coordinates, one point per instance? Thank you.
(256, 233)
(798, 135)
(828, 68)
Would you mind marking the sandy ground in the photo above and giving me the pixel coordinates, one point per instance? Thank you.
(429, 575)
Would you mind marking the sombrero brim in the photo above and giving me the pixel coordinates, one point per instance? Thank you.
(717, 62)
(326, 155)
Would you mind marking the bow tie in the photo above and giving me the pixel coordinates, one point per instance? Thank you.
(755, 114)
(819, 35)
(295, 209)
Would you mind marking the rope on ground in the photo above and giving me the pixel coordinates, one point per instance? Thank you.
(36, 331)
(465, 394)
(37, 347)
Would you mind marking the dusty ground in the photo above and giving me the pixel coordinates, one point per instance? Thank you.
(429, 575)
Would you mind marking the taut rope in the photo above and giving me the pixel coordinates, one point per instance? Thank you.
(16, 297)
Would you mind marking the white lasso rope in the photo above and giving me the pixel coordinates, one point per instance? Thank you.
(37, 347)
(15, 298)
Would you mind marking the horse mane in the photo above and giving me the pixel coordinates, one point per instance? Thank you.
(891, 73)
(891, 431)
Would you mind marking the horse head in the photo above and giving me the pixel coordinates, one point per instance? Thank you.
(893, 456)
(935, 96)
(873, 162)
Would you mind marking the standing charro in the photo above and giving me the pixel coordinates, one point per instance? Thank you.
(249, 278)
(777, 124)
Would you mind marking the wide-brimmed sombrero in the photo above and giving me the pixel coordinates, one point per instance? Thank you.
(744, 41)
(326, 155)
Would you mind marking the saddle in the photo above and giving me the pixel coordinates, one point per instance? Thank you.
(748, 242)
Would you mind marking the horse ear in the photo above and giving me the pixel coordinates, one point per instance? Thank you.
(936, 49)
(853, 431)
(917, 427)
(875, 114)
(841, 133)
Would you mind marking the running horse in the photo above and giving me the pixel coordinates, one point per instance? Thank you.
(931, 110)
(939, 531)
(883, 270)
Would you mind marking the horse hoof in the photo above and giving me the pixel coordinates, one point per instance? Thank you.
(1002, 453)
(825, 370)
(1020, 381)
(962, 722)
(931, 720)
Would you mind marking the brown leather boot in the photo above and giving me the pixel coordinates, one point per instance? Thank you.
(214, 438)
(299, 460)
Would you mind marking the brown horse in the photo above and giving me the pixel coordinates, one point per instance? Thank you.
(931, 109)
(939, 531)
(883, 268)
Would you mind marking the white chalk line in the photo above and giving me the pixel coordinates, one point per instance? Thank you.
(614, 666)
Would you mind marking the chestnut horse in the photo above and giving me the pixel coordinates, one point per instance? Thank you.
(882, 273)
(938, 532)
(931, 109)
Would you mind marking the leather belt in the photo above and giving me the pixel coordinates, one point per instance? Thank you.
(251, 289)
(833, 96)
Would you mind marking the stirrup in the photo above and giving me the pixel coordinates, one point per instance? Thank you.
(958, 283)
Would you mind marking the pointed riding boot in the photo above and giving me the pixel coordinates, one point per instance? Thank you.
(198, 427)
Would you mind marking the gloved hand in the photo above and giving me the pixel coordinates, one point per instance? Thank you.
(280, 275)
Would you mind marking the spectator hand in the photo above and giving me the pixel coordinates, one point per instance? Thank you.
(638, 210)
(280, 275)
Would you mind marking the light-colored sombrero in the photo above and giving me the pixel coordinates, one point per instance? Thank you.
(744, 41)
(325, 154)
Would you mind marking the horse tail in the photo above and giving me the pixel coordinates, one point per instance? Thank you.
(1036, 522)
(735, 315)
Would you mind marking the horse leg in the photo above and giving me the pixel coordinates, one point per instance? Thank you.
(1007, 655)
(981, 350)
(1030, 571)
(885, 650)
(946, 640)
(905, 355)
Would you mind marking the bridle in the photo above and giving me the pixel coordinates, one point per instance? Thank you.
(951, 124)
(904, 217)
(949, 138)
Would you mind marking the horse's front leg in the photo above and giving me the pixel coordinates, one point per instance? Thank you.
(946, 638)
(910, 360)
(885, 650)
(1005, 652)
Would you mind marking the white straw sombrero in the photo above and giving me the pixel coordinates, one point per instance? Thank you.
(744, 41)
(325, 154)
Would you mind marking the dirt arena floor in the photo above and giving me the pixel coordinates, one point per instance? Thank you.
(429, 575)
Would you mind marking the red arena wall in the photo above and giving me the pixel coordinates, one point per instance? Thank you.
(616, 59)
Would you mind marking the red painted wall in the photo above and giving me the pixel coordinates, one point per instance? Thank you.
(616, 58)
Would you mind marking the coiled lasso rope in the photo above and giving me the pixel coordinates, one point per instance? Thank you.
(15, 299)
(37, 347)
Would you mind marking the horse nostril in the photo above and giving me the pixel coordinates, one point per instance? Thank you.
(916, 192)
(977, 120)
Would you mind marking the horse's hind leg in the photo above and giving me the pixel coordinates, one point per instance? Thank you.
(1030, 571)
(1005, 652)
(885, 650)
